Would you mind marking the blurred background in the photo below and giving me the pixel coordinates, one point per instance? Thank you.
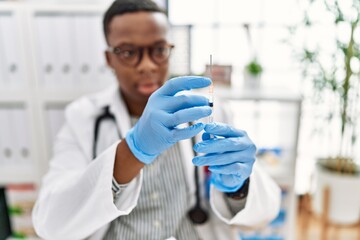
(288, 70)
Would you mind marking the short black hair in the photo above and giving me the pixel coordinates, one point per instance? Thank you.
(119, 7)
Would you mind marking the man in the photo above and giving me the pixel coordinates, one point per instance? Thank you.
(142, 186)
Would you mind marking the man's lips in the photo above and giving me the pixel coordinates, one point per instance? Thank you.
(147, 88)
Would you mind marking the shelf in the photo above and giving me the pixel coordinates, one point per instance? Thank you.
(282, 173)
(14, 95)
(61, 96)
(17, 174)
(282, 95)
(69, 6)
(65, 95)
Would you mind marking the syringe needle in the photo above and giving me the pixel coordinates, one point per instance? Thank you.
(211, 91)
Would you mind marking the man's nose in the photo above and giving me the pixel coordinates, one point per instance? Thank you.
(146, 64)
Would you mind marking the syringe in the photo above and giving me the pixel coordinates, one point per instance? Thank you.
(211, 92)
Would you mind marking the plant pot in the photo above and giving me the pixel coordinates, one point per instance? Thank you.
(344, 197)
(251, 81)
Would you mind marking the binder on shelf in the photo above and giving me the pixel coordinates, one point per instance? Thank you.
(84, 44)
(102, 73)
(64, 40)
(2, 75)
(48, 72)
(2, 139)
(11, 55)
(6, 138)
(2, 61)
(56, 119)
(21, 132)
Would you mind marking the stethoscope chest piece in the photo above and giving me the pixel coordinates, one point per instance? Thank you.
(198, 215)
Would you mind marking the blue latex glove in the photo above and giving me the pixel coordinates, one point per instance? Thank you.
(230, 156)
(157, 128)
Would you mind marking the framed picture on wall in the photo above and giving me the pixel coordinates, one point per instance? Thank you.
(221, 74)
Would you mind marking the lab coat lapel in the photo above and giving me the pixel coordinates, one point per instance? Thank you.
(81, 115)
(118, 108)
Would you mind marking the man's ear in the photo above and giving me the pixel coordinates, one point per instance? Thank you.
(108, 59)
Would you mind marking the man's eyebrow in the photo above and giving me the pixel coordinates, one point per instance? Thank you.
(160, 41)
(120, 44)
(130, 44)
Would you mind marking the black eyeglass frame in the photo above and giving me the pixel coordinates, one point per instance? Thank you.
(150, 49)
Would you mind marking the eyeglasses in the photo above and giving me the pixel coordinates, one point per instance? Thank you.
(131, 55)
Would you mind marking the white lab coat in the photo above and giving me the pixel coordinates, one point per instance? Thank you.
(76, 200)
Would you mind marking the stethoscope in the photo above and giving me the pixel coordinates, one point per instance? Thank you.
(197, 214)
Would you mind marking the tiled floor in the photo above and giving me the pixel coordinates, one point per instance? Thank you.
(309, 227)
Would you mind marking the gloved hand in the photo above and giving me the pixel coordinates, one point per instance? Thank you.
(230, 157)
(157, 128)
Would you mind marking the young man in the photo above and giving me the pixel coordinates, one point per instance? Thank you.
(131, 176)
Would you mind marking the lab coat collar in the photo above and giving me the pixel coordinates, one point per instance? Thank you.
(112, 97)
(105, 97)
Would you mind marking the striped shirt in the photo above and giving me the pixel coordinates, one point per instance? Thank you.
(163, 204)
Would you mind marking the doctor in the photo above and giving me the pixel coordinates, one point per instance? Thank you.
(123, 164)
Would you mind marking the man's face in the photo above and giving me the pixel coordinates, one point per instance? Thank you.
(140, 29)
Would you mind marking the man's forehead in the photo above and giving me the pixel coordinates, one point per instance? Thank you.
(139, 23)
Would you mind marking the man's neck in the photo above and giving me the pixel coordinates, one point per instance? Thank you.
(134, 108)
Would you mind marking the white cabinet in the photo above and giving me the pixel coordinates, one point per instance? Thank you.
(271, 119)
(49, 56)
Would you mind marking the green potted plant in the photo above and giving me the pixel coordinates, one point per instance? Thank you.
(253, 69)
(252, 74)
(336, 83)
